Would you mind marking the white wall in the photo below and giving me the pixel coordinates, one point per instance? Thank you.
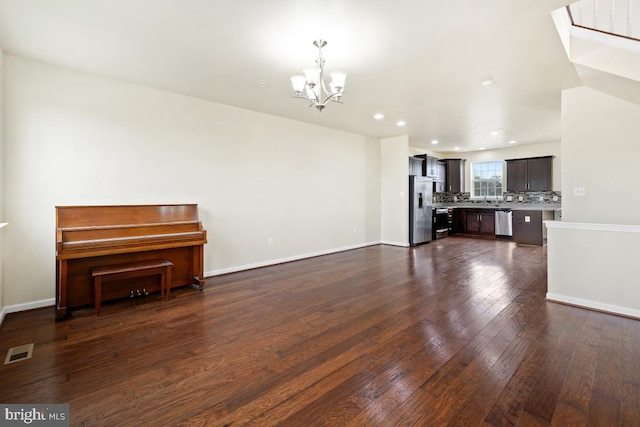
(594, 265)
(600, 145)
(394, 153)
(593, 253)
(75, 139)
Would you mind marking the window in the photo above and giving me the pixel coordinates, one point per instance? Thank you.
(487, 180)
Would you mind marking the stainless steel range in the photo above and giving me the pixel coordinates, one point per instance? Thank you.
(442, 222)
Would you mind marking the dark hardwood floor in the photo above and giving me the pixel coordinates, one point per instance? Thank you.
(455, 332)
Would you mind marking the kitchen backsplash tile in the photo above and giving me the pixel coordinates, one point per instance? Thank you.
(533, 197)
(530, 197)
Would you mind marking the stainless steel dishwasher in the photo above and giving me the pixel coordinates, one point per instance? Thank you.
(504, 221)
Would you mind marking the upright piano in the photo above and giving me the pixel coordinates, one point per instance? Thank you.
(96, 236)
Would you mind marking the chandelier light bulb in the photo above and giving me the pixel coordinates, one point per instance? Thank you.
(298, 82)
(337, 80)
(312, 75)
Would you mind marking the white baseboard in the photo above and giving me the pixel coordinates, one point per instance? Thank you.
(283, 260)
(26, 306)
(608, 308)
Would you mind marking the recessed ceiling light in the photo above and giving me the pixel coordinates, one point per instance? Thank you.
(513, 141)
(401, 123)
(487, 83)
(456, 148)
(481, 148)
(494, 133)
(434, 142)
(378, 116)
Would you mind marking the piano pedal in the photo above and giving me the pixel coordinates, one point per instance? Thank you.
(138, 293)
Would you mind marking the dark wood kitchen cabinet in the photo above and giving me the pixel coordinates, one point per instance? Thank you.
(480, 221)
(540, 173)
(530, 174)
(429, 166)
(454, 180)
(459, 220)
(517, 179)
(472, 222)
(528, 226)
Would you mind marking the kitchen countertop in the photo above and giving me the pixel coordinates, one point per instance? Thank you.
(512, 206)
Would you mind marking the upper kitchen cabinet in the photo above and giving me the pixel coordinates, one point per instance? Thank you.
(439, 183)
(540, 173)
(442, 170)
(454, 181)
(415, 166)
(429, 166)
(517, 175)
(530, 174)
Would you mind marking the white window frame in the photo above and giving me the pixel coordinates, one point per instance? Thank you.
(473, 181)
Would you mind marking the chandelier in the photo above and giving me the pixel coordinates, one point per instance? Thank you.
(312, 87)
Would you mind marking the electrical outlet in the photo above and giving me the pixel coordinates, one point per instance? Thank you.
(541, 198)
(579, 191)
(555, 198)
(509, 198)
(520, 198)
(527, 218)
(270, 241)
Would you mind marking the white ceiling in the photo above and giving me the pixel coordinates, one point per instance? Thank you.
(418, 61)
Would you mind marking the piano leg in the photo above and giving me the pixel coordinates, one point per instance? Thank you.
(198, 263)
(61, 313)
(199, 283)
(61, 289)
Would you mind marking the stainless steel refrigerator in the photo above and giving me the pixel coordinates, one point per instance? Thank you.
(420, 209)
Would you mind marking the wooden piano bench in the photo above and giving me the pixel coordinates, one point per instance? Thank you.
(131, 270)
